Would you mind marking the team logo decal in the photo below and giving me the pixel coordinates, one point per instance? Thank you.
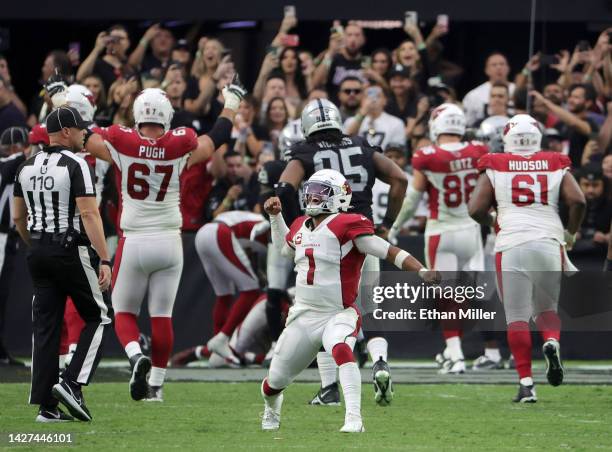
(298, 238)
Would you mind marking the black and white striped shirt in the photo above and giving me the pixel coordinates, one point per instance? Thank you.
(50, 182)
(8, 170)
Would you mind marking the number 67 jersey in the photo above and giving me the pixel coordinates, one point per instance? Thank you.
(527, 195)
(148, 171)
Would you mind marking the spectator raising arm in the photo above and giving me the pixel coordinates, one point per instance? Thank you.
(87, 66)
(269, 63)
(136, 57)
(567, 117)
(207, 86)
(336, 41)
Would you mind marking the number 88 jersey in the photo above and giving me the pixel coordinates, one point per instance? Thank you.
(148, 171)
(527, 195)
(451, 172)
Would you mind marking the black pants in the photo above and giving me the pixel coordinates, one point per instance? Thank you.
(57, 273)
(8, 251)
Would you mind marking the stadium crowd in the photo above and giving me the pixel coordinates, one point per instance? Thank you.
(414, 76)
(385, 97)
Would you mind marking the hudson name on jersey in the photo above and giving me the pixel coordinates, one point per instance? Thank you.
(527, 193)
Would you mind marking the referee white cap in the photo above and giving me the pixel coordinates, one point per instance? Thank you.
(65, 117)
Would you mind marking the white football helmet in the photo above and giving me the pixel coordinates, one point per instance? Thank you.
(446, 119)
(79, 97)
(327, 191)
(291, 134)
(522, 135)
(153, 106)
(320, 114)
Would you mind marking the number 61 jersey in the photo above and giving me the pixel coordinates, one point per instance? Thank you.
(451, 172)
(148, 171)
(527, 195)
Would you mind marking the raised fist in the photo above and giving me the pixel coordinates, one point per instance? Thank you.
(272, 206)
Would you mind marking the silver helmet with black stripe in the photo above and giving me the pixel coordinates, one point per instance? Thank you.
(320, 114)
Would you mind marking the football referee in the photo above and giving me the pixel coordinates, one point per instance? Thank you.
(55, 191)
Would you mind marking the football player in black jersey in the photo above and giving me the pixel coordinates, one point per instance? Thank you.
(278, 266)
(325, 146)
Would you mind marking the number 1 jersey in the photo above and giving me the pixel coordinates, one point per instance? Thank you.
(527, 195)
(327, 261)
(148, 171)
(451, 172)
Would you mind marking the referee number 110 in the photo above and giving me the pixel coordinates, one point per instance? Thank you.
(46, 182)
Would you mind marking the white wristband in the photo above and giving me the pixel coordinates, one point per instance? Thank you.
(423, 270)
(400, 258)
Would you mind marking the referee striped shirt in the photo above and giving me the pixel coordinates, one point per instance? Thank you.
(50, 182)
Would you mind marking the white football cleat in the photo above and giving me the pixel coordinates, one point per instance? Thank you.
(272, 415)
(352, 424)
(452, 367)
(219, 344)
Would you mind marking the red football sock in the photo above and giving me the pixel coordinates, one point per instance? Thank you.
(451, 333)
(239, 310)
(221, 310)
(74, 322)
(342, 354)
(64, 343)
(519, 340)
(126, 328)
(162, 339)
(549, 325)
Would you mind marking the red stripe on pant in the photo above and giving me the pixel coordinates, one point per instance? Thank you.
(500, 280)
(226, 245)
(432, 248)
(117, 263)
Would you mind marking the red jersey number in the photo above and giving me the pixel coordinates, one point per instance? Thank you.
(523, 186)
(457, 191)
(138, 186)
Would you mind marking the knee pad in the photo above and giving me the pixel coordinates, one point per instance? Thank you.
(342, 354)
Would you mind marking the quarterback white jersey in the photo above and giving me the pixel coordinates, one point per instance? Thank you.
(527, 196)
(327, 261)
(451, 172)
(148, 171)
